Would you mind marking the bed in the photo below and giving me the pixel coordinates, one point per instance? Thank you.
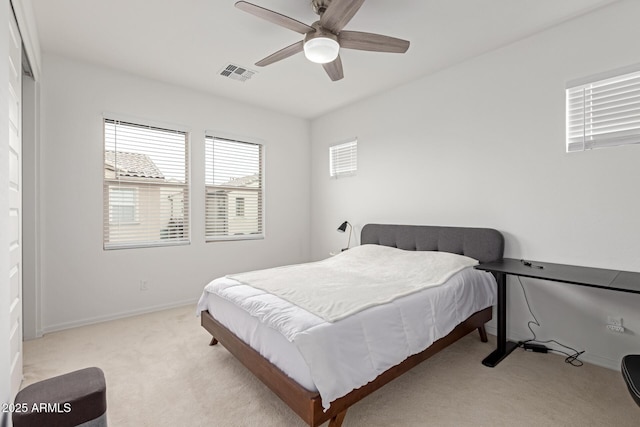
(287, 365)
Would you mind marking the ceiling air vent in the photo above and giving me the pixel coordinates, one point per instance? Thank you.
(237, 72)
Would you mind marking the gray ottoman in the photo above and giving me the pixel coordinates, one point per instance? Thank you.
(631, 375)
(78, 398)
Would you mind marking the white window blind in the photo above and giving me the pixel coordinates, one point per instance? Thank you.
(343, 159)
(604, 112)
(234, 189)
(146, 186)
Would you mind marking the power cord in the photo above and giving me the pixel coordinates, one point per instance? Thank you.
(571, 359)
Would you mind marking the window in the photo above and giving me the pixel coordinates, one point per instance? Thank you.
(122, 205)
(239, 206)
(146, 186)
(604, 110)
(343, 159)
(234, 195)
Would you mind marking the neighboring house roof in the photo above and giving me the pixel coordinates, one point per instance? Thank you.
(132, 165)
(244, 181)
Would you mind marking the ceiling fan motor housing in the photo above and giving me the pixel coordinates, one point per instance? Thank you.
(319, 32)
(319, 6)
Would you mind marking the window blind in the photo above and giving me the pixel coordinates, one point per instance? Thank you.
(343, 159)
(234, 189)
(146, 186)
(604, 112)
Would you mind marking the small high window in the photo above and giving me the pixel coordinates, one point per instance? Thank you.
(604, 110)
(343, 159)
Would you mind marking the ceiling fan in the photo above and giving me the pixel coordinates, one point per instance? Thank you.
(324, 38)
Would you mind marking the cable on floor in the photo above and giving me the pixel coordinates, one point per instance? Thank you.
(572, 358)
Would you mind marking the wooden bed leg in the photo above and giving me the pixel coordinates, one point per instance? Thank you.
(213, 341)
(483, 334)
(337, 420)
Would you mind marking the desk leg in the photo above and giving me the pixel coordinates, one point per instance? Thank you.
(504, 347)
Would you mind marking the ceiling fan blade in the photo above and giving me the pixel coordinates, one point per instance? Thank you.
(372, 42)
(274, 17)
(282, 54)
(339, 13)
(334, 69)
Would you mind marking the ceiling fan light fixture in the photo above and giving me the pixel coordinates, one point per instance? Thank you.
(321, 50)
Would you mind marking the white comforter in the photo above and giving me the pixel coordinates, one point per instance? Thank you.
(348, 353)
(352, 281)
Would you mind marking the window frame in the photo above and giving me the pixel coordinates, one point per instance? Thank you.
(210, 188)
(109, 183)
(598, 111)
(341, 153)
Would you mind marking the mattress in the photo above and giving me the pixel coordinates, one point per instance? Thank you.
(335, 358)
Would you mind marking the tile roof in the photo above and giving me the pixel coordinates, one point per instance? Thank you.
(245, 181)
(132, 164)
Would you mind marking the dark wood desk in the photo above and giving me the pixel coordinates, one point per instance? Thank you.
(614, 280)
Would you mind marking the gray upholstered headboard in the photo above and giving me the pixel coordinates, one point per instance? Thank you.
(483, 244)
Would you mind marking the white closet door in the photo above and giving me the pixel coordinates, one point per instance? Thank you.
(15, 205)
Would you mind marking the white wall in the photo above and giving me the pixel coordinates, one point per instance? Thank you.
(83, 283)
(482, 144)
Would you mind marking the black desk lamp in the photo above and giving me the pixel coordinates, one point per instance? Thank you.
(342, 229)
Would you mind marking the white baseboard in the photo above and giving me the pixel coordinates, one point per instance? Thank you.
(594, 359)
(115, 316)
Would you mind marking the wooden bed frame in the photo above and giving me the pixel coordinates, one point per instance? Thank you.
(479, 243)
(308, 404)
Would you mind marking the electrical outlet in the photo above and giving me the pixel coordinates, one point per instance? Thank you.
(614, 320)
(616, 328)
(144, 285)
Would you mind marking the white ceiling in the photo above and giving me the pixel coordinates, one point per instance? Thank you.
(187, 42)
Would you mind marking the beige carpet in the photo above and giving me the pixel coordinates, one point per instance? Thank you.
(160, 371)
